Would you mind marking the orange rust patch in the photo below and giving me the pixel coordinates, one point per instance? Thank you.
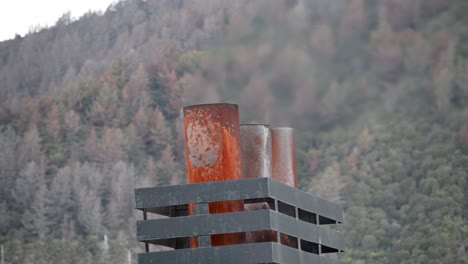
(213, 154)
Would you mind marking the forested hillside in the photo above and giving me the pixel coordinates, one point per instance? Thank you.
(376, 89)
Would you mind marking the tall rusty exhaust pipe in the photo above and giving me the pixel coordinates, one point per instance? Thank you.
(284, 164)
(284, 155)
(213, 153)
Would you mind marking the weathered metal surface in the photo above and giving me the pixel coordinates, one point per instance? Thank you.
(166, 200)
(258, 220)
(163, 196)
(294, 214)
(213, 153)
(154, 229)
(245, 254)
(256, 151)
(306, 201)
(284, 155)
(212, 138)
(256, 163)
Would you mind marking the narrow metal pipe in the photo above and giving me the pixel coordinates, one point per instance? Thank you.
(284, 162)
(256, 151)
(256, 163)
(284, 156)
(213, 153)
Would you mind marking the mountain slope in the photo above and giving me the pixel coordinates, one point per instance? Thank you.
(377, 92)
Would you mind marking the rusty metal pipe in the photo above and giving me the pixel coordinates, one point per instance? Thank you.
(284, 162)
(284, 156)
(213, 153)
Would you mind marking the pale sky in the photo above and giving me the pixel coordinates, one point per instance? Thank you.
(18, 16)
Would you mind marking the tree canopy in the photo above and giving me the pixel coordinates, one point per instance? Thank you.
(376, 90)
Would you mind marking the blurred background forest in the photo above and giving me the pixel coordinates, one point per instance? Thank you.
(376, 89)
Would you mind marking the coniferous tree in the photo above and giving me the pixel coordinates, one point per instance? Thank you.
(159, 133)
(86, 194)
(27, 184)
(120, 206)
(35, 219)
(53, 123)
(31, 147)
(6, 217)
(11, 161)
(59, 200)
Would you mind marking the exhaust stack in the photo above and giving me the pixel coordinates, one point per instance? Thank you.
(256, 151)
(213, 153)
(256, 163)
(268, 153)
(242, 204)
(284, 156)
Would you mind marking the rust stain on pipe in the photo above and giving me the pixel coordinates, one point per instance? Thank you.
(284, 155)
(213, 153)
